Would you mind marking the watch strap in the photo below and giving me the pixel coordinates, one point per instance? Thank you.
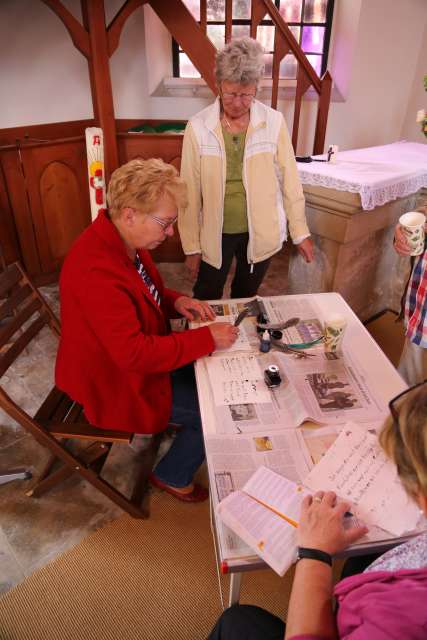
(314, 554)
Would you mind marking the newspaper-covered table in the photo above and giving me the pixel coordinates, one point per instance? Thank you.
(355, 385)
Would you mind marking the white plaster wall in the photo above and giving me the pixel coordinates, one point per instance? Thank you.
(43, 78)
(378, 48)
(411, 129)
(390, 39)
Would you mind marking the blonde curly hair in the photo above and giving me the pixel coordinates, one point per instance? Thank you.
(142, 183)
(406, 442)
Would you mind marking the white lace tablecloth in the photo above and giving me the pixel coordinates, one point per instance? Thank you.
(378, 174)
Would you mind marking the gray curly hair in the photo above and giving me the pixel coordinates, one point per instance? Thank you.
(240, 61)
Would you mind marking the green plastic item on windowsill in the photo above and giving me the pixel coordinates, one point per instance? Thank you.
(165, 127)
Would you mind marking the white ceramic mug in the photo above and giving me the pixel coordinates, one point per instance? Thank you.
(334, 332)
(413, 224)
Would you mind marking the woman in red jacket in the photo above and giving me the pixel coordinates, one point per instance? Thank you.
(117, 356)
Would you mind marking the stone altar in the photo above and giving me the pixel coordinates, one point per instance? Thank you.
(352, 207)
(354, 252)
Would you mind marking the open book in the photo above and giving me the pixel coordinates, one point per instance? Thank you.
(265, 515)
(265, 512)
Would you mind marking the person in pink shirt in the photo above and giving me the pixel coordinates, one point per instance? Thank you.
(389, 599)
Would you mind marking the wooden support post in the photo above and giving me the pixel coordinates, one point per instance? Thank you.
(322, 113)
(102, 93)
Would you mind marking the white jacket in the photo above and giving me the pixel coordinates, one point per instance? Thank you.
(274, 195)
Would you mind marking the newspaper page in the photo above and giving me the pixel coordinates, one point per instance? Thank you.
(282, 407)
(232, 460)
(319, 389)
(228, 312)
(279, 310)
(333, 387)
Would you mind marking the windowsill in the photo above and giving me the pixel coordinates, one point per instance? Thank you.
(197, 88)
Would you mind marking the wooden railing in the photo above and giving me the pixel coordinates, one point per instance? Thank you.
(193, 40)
(97, 42)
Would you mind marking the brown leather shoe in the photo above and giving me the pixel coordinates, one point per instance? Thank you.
(198, 494)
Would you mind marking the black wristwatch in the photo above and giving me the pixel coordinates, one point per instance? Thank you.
(314, 554)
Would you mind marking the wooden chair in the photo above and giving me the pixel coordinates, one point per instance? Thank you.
(60, 422)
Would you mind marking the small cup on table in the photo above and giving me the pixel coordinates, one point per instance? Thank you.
(413, 224)
(334, 332)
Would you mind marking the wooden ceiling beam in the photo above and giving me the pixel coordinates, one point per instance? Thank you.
(116, 25)
(183, 27)
(102, 93)
(79, 35)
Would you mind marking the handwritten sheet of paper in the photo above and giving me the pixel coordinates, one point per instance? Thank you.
(356, 468)
(242, 343)
(236, 379)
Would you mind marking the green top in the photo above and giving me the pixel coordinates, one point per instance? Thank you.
(235, 215)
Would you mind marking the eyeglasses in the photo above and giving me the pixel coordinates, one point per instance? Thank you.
(163, 223)
(244, 97)
(394, 409)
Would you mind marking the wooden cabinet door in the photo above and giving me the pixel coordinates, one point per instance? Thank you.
(57, 186)
(9, 244)
(16, 226)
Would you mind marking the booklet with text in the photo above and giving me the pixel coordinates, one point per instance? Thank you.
(265, 515)
(266, 511)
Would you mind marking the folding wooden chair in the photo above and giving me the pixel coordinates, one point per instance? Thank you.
(60, 421)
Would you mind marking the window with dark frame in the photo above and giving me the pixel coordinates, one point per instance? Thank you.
(309, 20)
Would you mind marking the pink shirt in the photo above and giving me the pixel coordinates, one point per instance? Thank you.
(381, 605)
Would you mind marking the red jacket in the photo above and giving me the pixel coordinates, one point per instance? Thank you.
(116, 349)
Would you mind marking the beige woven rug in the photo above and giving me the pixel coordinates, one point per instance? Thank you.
(134, 579)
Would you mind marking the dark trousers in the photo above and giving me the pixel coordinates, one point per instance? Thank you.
(210, 281)
(246, 622)
(187, 451)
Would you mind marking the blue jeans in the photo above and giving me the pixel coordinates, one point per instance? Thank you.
(187, 452)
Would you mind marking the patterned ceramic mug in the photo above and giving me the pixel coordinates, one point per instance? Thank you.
(413, 227)
(334, 331)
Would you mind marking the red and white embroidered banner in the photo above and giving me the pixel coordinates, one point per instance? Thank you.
(95, 165)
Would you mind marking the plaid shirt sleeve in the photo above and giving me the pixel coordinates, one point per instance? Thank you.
(416, 303)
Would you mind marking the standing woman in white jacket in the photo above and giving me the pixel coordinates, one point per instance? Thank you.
(243, 184)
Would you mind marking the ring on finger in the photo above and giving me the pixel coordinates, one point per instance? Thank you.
(317, 499)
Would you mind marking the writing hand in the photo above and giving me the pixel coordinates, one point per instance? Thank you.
(321, 524)
(224, 334)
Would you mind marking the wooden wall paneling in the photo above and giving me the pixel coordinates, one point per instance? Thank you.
(43, 132)
(9, 243)
(18, 199)
(57, 183)
(168, 147)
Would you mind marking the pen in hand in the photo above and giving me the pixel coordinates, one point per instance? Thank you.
(242, 315)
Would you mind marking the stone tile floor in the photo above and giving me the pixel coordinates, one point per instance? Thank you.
(34, 531)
